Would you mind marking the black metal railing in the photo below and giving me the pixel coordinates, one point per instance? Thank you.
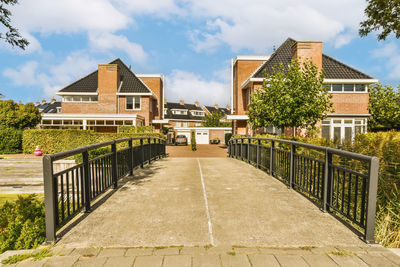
(72, 190)
(340, 181)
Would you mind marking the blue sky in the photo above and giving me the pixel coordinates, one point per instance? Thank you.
(189, 42)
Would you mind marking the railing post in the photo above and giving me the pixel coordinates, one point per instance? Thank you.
(248, 150)
(371, 204)
(142, 152)
(130, 156)
(327, 181)
(271, 158)
(292, 165)
(149, 141)
(164, 147)
(241, 149)
(50, 199)
(114, 165)
(86, 179)
(258, 153)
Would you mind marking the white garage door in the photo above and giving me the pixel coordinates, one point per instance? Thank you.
(202, 137)
(185, 133)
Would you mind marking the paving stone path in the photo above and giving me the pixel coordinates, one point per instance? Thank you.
(218, 256)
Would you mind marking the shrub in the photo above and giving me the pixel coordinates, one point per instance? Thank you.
(138, 129)
(56, 140)
(193, 141)
(227, 137)
(22, 224)
(10, 140)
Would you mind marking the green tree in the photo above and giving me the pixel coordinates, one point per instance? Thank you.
(18, 116)
(11, 36)
(293, 97)
(383, 16)
(214, 120)
(384, 106)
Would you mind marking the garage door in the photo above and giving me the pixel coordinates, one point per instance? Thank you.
(202, 137)
(185, 133)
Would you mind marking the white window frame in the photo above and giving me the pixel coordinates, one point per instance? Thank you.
(343, 125)
(178, 124)
(330, 89)
(198, 113)
(133, 103)
(69, 99)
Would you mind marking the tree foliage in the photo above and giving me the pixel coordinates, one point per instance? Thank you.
(384, 106)
(12, 36)
(214, 120)
(383, 16)
(290, 98)
(18, 116)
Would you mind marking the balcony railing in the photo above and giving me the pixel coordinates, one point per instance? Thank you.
(339, 181)
(74, 189)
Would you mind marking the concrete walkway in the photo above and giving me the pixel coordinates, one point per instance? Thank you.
(210, 212)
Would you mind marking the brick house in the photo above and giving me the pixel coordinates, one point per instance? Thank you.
(186, 118)
(109, 97)
(216, 108)
(348, 86)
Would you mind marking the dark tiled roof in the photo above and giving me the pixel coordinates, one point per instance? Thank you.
(223, 111)
(89, 83)
(52, 107)
(168, 106)
(333, 69)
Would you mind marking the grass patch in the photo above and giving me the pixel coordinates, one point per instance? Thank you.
(232, 253)
(342, 253)
(307, 248)
(208, 246)
(13, 197)
(238, 246)
(36, 256)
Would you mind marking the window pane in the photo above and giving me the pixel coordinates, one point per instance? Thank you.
(137, 102)
(326, 132)
(358, 129)
(360, 87)
(358, 122)
(337, 133)
(94, 98)
(85, 98)
(348, 87)
(348, 121)
(129, 102)
(337, 121)
(337, 87)
(326, 122)
(76, 98)
(348, 133)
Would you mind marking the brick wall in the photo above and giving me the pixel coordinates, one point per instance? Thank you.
(156, 85)
(305, 50)
(217, 133)
(144, 112)
(350, 103)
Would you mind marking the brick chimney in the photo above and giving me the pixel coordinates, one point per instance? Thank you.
(37, 103)
(181, 102)
(196, 103)
(216, 106)
(308, 50)
(43, 101)
(108, 82)
(228, 107)
(165, 101)
(52, 101)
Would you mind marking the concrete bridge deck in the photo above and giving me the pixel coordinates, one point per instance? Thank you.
(210, 212)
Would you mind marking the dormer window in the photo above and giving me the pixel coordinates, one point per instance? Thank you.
(198, 113)
(179, 112)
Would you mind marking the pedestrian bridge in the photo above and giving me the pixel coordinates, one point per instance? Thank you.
(135, 196)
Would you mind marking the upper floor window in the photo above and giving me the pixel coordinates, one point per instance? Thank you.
(346, 87)
(133, 102)
(198, 113)
(83, 98)
(179, 112)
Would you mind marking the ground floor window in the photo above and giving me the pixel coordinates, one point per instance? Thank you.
(343, 128)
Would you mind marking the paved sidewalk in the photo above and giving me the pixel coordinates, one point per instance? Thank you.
(218, 256)
(202, 151)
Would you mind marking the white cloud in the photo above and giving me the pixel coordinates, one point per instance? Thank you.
(49, 16)
(159, 8)
(110, 42)
(391, 53)
(52, 78)
(259, 24)
(192, 87)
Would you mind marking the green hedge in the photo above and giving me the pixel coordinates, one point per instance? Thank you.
(138, 129)
(10, 140)
(52, 141)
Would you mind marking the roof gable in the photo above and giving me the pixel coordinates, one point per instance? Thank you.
(332, 68)
(89, 83)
